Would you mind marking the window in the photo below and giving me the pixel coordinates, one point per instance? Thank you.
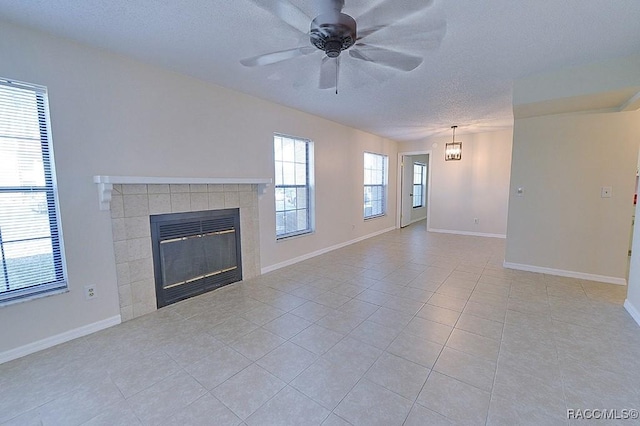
(419, 171)
(294, 185)
(375, 185)
(31, 259)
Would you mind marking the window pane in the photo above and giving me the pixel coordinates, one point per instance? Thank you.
(29, 263)
(367, 196)
(302, 198)
(300, 152)
(279, 199)
(417, 195)
(302, 219)
(368, 161)
(376, 207)
(288, 174)
(301, 174)
(19, 117)
(290, 197)
(23, 215)
(288, 150)
(280, 228)
(277, 148)
(279, 176)
(21, 162)
(291, 221)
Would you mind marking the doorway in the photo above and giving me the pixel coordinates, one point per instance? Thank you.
(414, 187)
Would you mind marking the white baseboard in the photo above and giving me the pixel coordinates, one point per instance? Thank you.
(417, 220)
(473, 234)
(58, 338)
(563, 273)
(295, 260)
(635, 314)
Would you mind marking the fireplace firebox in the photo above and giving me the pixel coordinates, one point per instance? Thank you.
(194, 253)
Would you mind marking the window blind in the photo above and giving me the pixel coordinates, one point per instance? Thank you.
(31, 258)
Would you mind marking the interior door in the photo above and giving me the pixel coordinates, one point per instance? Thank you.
(406, 203)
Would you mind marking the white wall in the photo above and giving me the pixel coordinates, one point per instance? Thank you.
(114, 116)
(561, 222)
(475, 187)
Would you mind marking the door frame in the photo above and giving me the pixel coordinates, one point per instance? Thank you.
(399, 185)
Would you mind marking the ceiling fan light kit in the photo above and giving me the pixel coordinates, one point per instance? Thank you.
(333, 32)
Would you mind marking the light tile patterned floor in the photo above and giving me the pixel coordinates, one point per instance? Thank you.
(406, 328)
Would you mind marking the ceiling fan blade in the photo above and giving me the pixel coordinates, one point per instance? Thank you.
(428, 36)
(286, 11)
(272, 58)
(427, 29)
(329, 73)
(357, 75)
(388, 13)
(386, 57)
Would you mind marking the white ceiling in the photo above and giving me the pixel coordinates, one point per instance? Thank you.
(465, 79)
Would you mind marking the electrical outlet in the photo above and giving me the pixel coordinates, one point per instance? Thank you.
(606, 191)
(476, 220)
(90, 292)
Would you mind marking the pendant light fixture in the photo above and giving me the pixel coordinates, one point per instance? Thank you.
(453, 150)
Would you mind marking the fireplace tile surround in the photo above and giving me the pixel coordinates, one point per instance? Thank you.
(132, 204)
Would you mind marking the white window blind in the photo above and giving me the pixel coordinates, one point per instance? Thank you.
(375, 185)
(31, 257)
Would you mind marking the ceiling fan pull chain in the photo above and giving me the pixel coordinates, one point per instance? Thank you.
(337, 69)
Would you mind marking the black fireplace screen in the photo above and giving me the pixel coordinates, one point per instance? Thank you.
(195, 252)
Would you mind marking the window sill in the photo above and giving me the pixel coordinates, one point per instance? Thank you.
(294, 236)
(375, 217)
(33, 297)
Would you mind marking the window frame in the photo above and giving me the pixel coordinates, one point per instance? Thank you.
(383, 185)
(60, 283)
(309, 187)
(421, 185)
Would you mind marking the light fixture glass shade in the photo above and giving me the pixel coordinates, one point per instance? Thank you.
(453, 151)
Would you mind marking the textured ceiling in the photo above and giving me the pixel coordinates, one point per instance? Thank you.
(473, 51)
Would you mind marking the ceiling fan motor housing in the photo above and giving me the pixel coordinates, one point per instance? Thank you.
(333, 33)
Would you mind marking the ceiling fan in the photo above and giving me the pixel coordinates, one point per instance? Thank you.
(334, 32)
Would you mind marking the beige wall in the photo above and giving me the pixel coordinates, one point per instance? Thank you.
(561, 222)
(475, 187)
(114, 116)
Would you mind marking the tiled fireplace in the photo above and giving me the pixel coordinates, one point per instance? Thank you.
(131, 206)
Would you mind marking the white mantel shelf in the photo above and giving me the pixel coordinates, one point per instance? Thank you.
(105, 183)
